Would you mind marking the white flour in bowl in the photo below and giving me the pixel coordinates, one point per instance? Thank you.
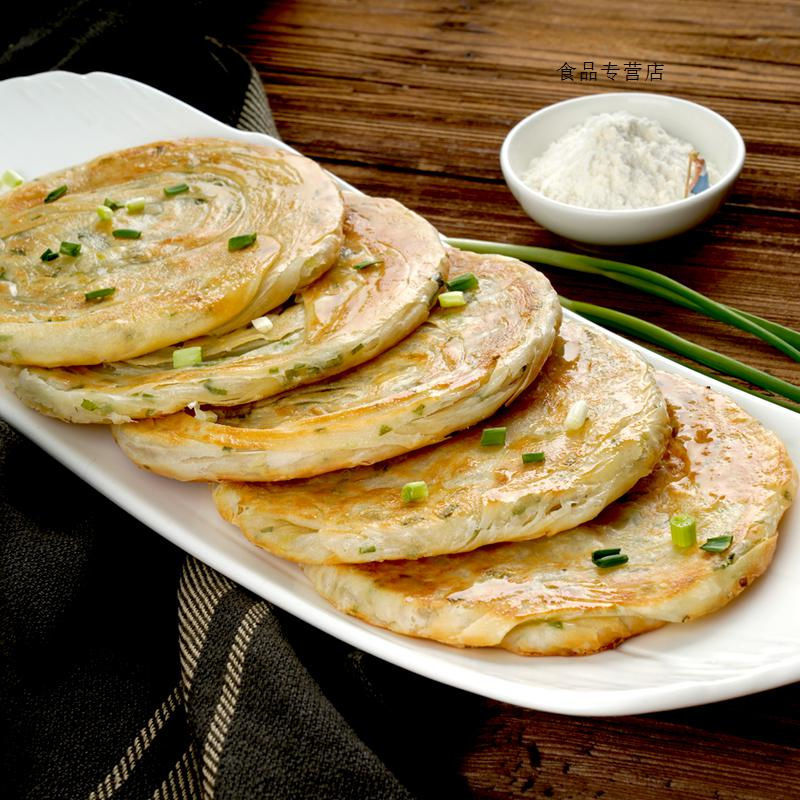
(616, 160)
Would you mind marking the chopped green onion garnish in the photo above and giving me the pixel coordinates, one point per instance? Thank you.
(463, 283)
(532, 458)
(49, 255)
(99, 294)
(104, 212)
(554, 623)
(262, 324)
(214, 389)
(70, 249)
(416, 490)
(12, 178)
(493, 436)
(452, 299)
(136, 205)
(179, 188)
(576, 415)
(717, 544)
(187, 357)
(88, 404)
(240, 242)
(383, 430)
(367, 548)
(56, 193)
(608, 551)
(126, 233)
(683, 529)
(112, 204)
(611, 561)
(367, 262)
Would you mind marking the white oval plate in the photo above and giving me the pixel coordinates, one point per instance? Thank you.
(56, 119)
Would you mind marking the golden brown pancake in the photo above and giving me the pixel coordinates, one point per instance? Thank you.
(177, 279)
(478, 494)
(547, 597)
(456, 369)
(345, 318)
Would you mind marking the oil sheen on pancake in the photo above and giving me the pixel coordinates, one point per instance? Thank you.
(478, 495)
(456, 369)
(546, 597)
(160, 262)
(347, 317)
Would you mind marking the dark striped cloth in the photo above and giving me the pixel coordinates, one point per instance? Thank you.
(128, 670)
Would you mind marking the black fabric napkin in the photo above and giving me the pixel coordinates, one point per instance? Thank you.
(128, 670)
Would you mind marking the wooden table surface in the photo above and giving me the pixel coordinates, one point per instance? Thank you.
(412, 100)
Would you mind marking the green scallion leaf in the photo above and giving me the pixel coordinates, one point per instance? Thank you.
(607, 551)
(493, 436)
(179, 188)
(88, 404)
(12, 178)
(367, 548)
(214, 389)
(49, 255)
(99, 294)
(104, 212)
(240, 242)
(112, 204)
(683, 529)
(126, 233)
(463, 283)
(532, 458)
(452, 299)
(367, 262)
(187, 357)
(554, 623)
(56, 193)
(616, 560)
(717, 544)
(414, 491)
(384, 429)
(70, 249)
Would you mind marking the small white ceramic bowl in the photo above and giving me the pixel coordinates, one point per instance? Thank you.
(711, 134)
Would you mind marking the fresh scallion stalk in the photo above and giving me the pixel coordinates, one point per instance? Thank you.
(240, 242)
(784, 339)
(452, 299)
(491, 437)
(683, 529)
(126, 233)
(49, 255)
(104, 212)
(414, 492)
(112, 204)
(187, 357)
(653, 333)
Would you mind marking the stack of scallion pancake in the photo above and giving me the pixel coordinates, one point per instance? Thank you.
(413, 424)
